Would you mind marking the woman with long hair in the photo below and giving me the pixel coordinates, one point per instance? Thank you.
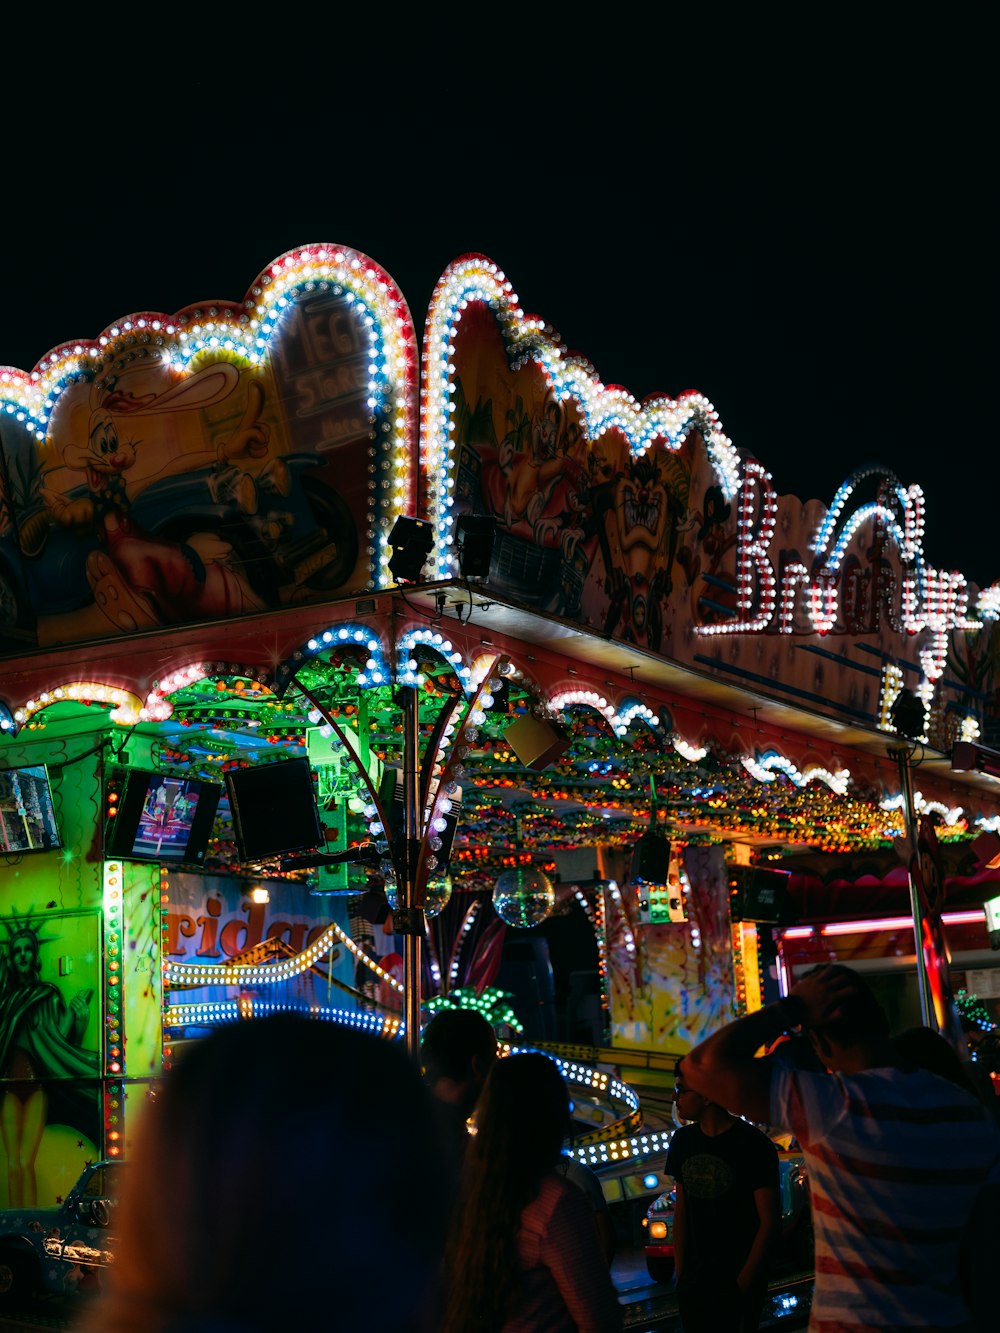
(524, 1253)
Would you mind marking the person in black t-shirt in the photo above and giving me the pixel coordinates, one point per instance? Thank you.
(727, 1217)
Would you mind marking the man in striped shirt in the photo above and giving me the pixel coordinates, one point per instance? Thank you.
(896, 1156)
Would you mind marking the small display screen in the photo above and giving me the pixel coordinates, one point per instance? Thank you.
(27, 817)
(163, 818)
(166, 820)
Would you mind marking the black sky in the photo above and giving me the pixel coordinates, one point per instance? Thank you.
(798, 221)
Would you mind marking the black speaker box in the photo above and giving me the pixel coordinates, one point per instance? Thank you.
(536, 742)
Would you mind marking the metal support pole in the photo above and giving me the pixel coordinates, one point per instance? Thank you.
(902, 757)
(412, 917)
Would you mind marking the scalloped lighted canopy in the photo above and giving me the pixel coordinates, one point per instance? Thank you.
(240, 459)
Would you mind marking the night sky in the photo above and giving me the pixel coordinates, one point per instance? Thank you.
(800, 223)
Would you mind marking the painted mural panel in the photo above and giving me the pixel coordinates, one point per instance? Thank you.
(584, 530)
(50, 1025)
(671, 985)
(50, 972)
(628, 984)
(643, 522)
(644, 546)
(202, 466)
(142, 985)
(682, 1013)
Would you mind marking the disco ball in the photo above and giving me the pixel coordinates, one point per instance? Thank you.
(438, 895)
(436, 898)
(523, 897)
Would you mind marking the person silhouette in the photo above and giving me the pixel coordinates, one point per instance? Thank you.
(897, 1156)
(727, 1218)
(524, 1254)
(261, 1186)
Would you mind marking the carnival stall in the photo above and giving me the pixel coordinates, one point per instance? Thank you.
(348, 674)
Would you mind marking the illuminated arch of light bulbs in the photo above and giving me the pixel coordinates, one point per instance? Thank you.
(766, 767)
(376, 669)
(246, 331)
(407, 673)
(269, 974)
(911, 499)
(474, 279)
(159, 707)
(126, 707)
(633, 711)
(908, 538)
(583, 699)
(953, 815)
(693, 753)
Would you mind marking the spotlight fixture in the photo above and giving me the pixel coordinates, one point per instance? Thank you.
(411, 540)
(908, 715)
(474, 536)
(760, 895)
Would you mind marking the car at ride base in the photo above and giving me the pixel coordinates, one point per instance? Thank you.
(795, 1246)
(64, 1250)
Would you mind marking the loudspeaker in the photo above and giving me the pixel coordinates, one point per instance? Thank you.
(650, 859)
(536, 742)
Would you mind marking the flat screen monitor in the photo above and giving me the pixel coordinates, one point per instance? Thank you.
(162, 818)
(27, 817)
(761, 895)
(274, 809)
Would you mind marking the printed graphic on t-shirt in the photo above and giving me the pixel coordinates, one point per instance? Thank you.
(706, 1177)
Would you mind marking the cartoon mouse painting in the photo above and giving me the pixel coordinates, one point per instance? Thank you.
(138, 580)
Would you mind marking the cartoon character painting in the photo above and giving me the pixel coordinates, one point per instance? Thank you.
(530, 475)
(139, 580)
(585, 528)
(162, 496)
